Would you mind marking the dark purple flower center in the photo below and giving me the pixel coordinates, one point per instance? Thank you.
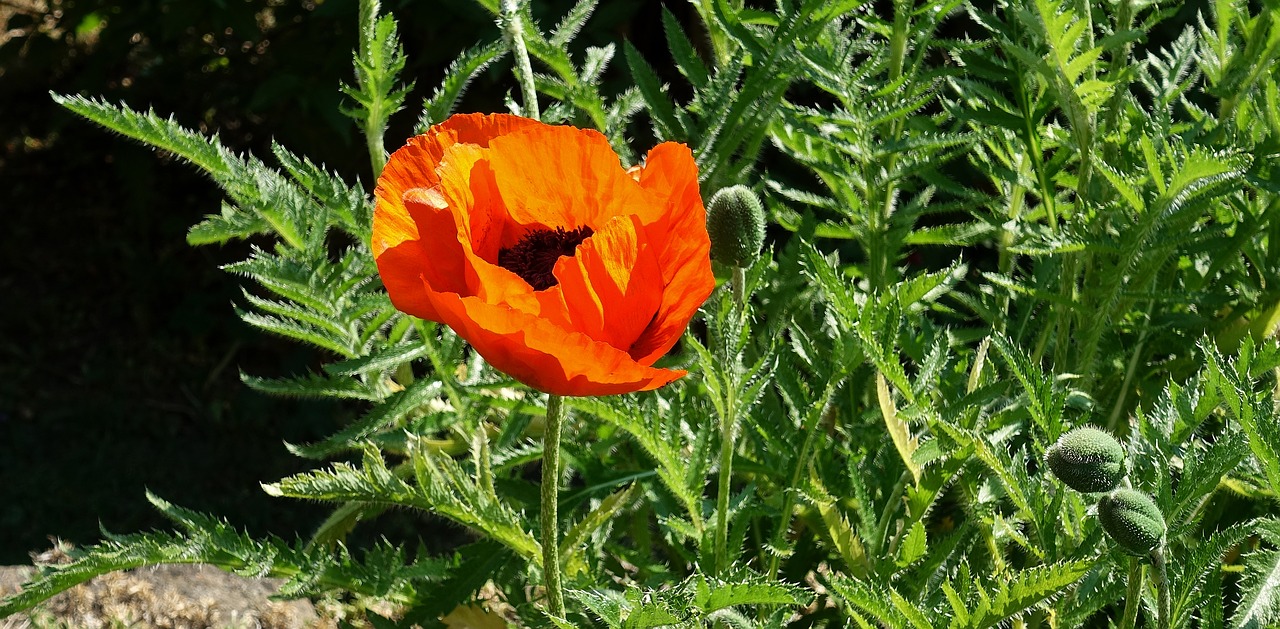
(534, 257)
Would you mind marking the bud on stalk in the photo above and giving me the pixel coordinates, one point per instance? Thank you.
(1132, 519)
(1088, 460)
(735, 222)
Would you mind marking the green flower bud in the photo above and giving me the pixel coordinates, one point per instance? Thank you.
(735, 222)
(1088, 460)
(1132, 519)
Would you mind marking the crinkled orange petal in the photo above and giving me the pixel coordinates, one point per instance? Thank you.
(683, 247)
(469, 195)
(414, 165)
(543, 355)
(553, 177)
(403, 258)
(612, 286)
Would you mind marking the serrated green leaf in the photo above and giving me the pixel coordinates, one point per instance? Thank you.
(1260, 602)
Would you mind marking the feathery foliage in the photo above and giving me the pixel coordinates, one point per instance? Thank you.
(989, 223)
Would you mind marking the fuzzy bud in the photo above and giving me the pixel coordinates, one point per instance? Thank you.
(735, 222)
(1088, 460)
(1133, 520)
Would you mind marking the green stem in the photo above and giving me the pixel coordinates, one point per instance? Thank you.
(550, 505)
(1160, 575)
(1129, 373)
(898, 41)
(1032, 140)
(377, 150)
(886, 516)
(728, 421)
(1133, 597)
(375, 123)
(739, 282)
(1063, 314)
(880, 258)
(513, 31)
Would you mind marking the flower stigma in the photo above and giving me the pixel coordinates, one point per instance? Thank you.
(534, 256)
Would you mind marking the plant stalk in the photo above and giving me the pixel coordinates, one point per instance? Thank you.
(739, 282)
(377, 150)
(549, 516)
(895, 498)
(513, 31)
(1160, 575)
(1116, 411)
(728, 421)
(1133, 597)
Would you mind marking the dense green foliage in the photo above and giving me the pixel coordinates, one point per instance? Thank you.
(1104, 211)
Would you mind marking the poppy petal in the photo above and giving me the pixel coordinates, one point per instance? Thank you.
(684, 253)
(543, 355)
(469, 197)
(401, 257)
(414, 164)
(612, 285)
(553, 177)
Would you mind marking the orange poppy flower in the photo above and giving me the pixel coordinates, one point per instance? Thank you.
(531, 241)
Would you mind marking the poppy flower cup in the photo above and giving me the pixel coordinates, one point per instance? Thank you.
(562, 269)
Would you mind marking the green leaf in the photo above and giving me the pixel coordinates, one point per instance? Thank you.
(464, 68)
(1260, 599)
(655, 96)
(572, 22)
(599, 517)
(899, 430)
(845, 539)
(649, 616)
(756, 591)
(262, 200)
(378, 62)
(886, 609)
(914, 545)
(386, 358)
(313, 386)
(1028, 588)
(442, 487)
(1045, 399)
(682, 51)
(380, 418)
(606, 605)
(1253, 410)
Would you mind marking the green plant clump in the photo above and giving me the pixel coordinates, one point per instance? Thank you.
(987, 223)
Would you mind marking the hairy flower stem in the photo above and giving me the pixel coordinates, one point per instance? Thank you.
(1133, 597)
(728, 427)
(728, 421)
(739, 281)
(377, 150)
(1160, 576)
(513, 31)
(549, 517)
